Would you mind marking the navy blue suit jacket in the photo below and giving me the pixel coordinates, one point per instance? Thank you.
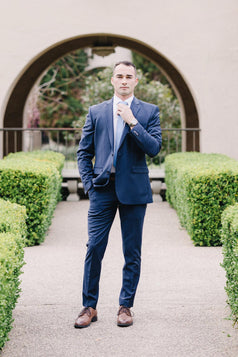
(132, 180)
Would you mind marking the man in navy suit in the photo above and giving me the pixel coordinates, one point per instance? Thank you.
(118, 133)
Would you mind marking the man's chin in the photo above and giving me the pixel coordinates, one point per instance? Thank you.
(124, 93)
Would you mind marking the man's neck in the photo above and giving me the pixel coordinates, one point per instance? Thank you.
(124, 98)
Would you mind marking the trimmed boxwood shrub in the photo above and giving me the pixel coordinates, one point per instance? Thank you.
(52, 157)
(12, 219)
(35, 184)
(11, 261)
(200, 187)
(12, 234)
(55, 158)
(229, 238)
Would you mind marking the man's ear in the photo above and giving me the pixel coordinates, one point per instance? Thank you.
(112, 81)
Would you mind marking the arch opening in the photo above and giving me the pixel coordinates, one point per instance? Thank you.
(13, 116)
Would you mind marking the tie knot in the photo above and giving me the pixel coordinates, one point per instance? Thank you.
(123, 103)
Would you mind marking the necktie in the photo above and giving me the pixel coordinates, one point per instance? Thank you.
(120, 127)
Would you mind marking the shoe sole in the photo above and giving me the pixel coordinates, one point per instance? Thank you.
(94, 319)
(125, 325)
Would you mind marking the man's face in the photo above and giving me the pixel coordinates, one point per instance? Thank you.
(124, 81)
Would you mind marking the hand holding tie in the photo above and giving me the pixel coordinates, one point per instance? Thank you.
(125, 112)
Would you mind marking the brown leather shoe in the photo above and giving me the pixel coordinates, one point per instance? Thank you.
(124, 317)
(86, 316)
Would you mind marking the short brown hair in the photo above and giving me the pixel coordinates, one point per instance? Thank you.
(126, 63)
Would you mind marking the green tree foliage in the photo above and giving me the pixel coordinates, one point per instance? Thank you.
(155, 88)
(98, 88)
(61, 89)
(160, 94)
(148, 68)
(67, 90)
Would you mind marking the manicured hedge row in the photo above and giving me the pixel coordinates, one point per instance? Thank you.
(200, 187)
(12, 234)
(33, 181)
(52, 157)
(229, 238)
(12, 219)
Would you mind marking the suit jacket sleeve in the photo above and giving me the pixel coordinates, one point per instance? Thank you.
(86, 153)
(149, 139)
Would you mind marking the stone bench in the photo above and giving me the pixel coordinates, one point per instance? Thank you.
(72, 187)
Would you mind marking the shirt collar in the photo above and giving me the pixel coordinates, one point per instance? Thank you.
(117, 100)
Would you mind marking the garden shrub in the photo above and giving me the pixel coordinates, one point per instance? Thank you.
(52, 157)
(12, 234)
(55, 158)
(200, 187)
(34, 183)
(13, 219)
(229, 238)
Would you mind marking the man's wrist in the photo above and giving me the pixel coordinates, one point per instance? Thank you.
(133, 123)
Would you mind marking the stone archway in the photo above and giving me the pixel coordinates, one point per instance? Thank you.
(13, 116)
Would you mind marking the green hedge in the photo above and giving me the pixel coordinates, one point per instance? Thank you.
(12, 234)
(229, 238)
(34, 182)
(200, 187)
(52, 157)
(12, 219)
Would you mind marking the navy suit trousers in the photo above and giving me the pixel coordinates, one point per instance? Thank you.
(103, 207)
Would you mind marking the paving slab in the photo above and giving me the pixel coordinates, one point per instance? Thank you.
(180, 307)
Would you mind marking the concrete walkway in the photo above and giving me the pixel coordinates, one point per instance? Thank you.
(180, 307)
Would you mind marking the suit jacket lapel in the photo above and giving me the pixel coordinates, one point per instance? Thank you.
(135, 106)
(109, 116)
